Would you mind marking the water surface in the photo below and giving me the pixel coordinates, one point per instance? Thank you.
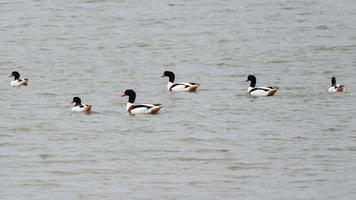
(215, 144)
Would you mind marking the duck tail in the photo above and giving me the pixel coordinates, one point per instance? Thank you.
(25, 82)
(88, 108)
(193, 87)
(272, 91)
(155, 109)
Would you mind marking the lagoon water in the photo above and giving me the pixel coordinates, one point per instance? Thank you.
(218, 143)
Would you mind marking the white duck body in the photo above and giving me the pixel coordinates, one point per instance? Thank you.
(82, 108)
(336, 87)
(17, 82)
(259, 91)
(142, 108)
(179, 87)
(139, 108)
(262, 91)
(182, 87)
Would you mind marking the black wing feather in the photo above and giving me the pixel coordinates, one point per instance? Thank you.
(140, 106)
(254, 89)
(176, 84)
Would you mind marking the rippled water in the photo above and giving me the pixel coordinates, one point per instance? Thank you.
(215, 144)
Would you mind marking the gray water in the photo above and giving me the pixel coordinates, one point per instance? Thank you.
(218, 143)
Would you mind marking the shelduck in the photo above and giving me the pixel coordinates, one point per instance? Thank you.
(79, 107)
(17, 82)
(336, 87)
(139, 108)
(259, 91)
(178, 87)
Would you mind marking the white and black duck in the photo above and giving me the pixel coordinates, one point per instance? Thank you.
(259, 91)
(179, 87)
(336, 87)
(16, 81)
(139, 108)
(79, 107)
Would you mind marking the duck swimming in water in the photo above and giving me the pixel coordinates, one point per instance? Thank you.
(79, 107)
(17, 82)
(139, 108)
(259, 91)
(336, 87)
(178, 87)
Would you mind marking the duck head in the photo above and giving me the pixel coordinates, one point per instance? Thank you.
(251, 78)
(170, 75)
(76, 100)
(131, 94)
(15, 74)
(333, 81)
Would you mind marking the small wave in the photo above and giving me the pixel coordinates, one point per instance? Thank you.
(290, 8)
(334, 48)
(175, 5)
(323, 27)
(278, 61)
(48, 94)
(305, 13)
